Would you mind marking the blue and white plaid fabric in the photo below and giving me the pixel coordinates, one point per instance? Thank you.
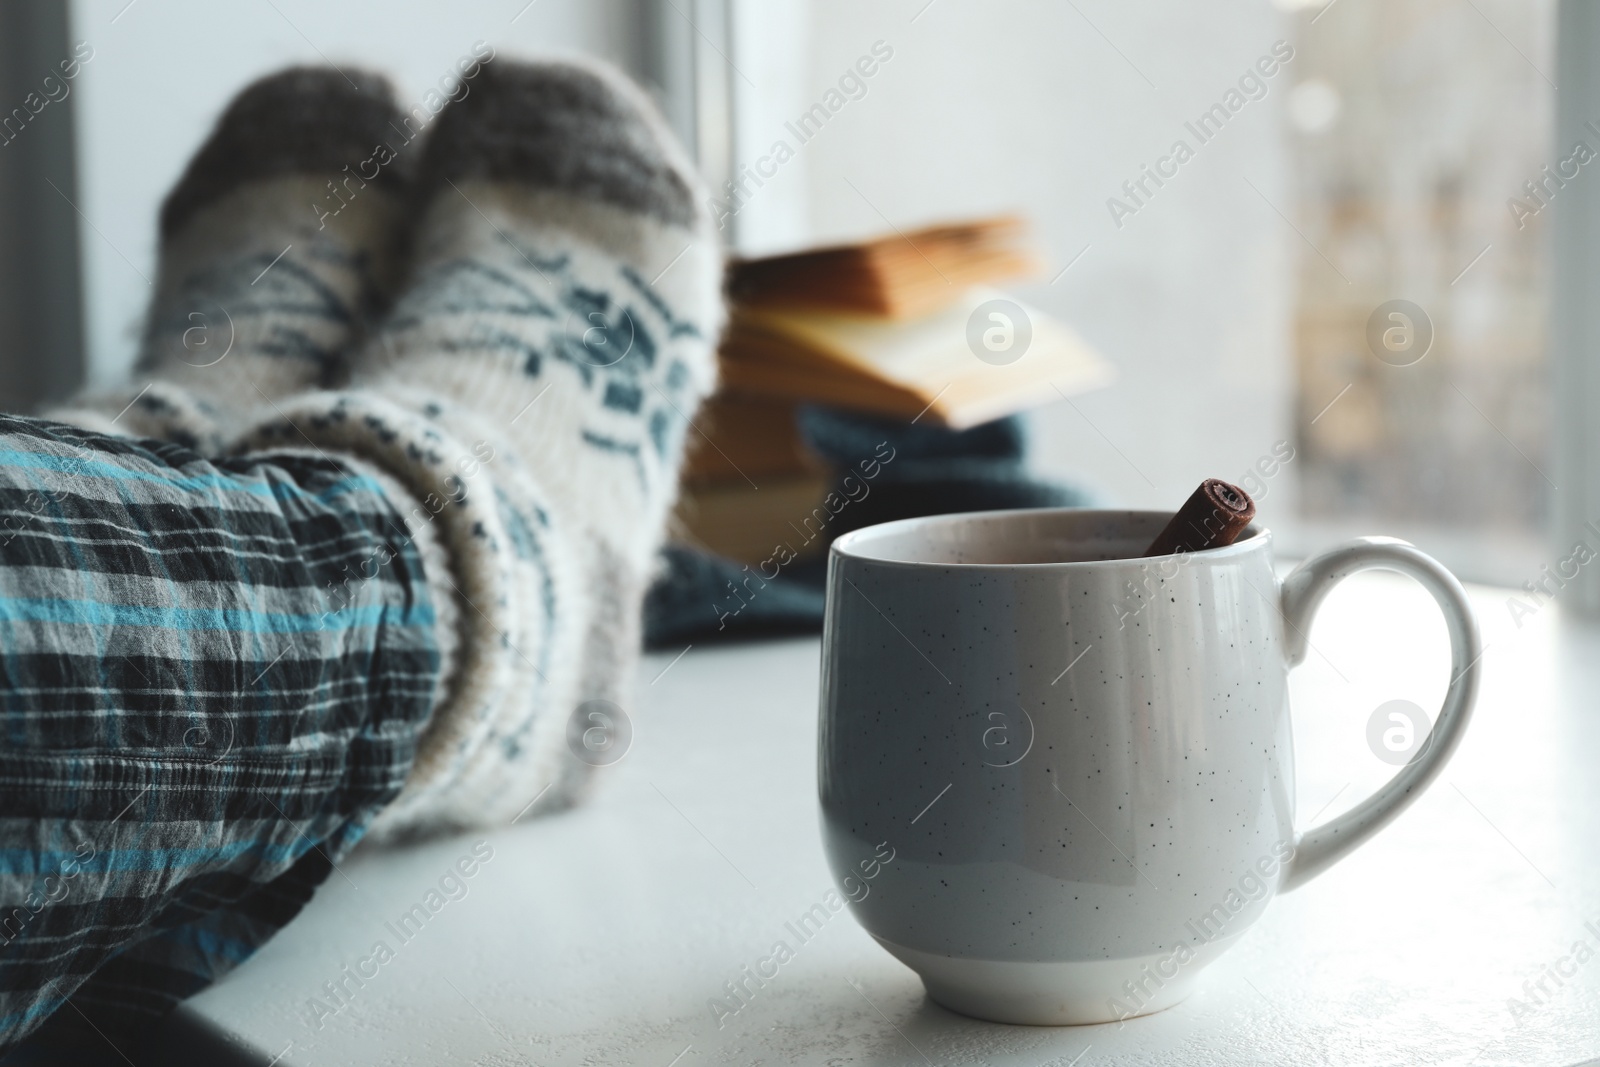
(213, 675)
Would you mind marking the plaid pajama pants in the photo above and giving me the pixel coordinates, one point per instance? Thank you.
(213, 675)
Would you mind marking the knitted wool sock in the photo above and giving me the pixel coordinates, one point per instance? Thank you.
(277, 242)
(536, 379)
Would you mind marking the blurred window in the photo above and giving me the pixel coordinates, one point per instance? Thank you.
(1420, 134)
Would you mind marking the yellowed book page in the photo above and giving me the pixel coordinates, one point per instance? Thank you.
(929, 353)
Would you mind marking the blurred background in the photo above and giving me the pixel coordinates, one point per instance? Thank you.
(1383, 161)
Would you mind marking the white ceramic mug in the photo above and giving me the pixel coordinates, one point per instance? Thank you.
(1081, 760)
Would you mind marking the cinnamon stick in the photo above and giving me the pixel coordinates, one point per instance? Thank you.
(1213, 516)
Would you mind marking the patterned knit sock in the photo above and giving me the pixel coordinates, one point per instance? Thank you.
(276, 244)
(536, 377)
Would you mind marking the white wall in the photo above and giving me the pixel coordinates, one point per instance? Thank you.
(773, 46)
(163, 69)
(1023, 104)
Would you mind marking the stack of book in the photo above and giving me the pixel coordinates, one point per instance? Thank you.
(883, 327)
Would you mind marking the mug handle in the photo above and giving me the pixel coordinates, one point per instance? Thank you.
(1321, 846)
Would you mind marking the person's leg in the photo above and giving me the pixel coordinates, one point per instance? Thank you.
(279, 242)
(200, 710)
(530, 395)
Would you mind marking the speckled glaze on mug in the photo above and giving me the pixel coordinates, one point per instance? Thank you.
(1080, 759)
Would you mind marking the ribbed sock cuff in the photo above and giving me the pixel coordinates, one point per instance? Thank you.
(161, 410)
(497, 734)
